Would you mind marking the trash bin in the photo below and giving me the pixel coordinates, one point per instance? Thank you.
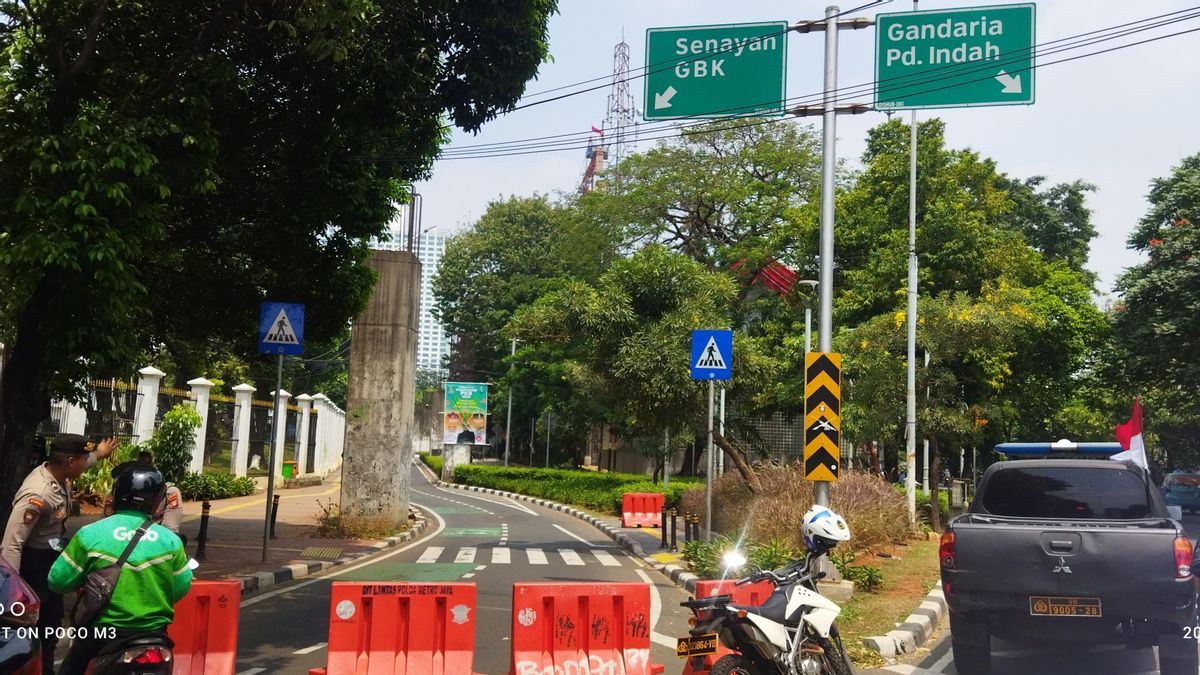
(289, 469)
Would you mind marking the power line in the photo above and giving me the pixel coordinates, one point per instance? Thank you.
(536, 146)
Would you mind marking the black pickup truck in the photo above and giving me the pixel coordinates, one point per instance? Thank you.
(1079, 550)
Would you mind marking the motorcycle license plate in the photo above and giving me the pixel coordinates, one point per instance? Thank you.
(697, 645)
(1048, 605)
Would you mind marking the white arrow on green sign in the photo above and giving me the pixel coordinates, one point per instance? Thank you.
(715, 71)
(955, 58)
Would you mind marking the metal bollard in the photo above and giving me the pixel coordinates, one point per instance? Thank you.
(663, 525)
(674, 531)
(274, 513)
(687, 527)
(203, 538)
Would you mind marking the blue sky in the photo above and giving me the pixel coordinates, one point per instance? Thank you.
(1116, 120)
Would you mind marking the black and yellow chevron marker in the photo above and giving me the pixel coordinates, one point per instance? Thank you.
(822, 415)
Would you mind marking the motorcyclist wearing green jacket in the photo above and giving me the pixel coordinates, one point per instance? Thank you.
(154, 578)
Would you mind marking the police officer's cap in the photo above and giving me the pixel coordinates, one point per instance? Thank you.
(70, 444)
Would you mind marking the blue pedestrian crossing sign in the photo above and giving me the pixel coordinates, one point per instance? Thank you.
(712, 354)
(281, 328)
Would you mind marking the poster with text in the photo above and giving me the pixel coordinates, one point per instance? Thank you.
(465, 419)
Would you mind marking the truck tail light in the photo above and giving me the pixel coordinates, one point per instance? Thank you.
(946, 551)
(1183, 558)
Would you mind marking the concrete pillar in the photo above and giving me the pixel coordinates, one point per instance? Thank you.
(74, 419)
(241, 443)
(305, 403)
(381, 390)
(321, 456)
(200, 390)
(147, 403)
(277, 450)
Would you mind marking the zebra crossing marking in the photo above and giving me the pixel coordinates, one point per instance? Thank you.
(606, 558)
(431, 554)
(536, 556)
(501, 556)
(570, 557)
(466, 554)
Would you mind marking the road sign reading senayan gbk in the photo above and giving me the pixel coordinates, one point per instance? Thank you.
(954, 58)
(715, 71)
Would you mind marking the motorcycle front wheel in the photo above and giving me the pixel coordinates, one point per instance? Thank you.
(733, 664)
(835, 660)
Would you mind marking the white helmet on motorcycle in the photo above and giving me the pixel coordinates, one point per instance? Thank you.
(823, 529)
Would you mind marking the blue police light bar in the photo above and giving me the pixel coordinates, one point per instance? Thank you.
(1063, 447)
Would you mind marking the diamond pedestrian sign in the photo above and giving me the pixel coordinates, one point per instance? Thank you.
(712, 354)
(955, 58)
(715, 71)
(281, 328)
(822, 415)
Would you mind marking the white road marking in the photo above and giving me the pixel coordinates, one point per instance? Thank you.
(570, 557)
(572, 534)
(940, 664)
(536, 556)
(605, 558)
(655, 613)
(466, 554)
(507, 501)
(468, 575)
(413, 544)
(501, 556)
(431, 554)
(309, 650)
(480, 568)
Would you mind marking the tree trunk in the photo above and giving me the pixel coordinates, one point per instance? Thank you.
(658, 466)
(24, 401)
(935, 477)
(739, 460)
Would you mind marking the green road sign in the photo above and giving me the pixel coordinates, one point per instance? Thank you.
(955, 58)
(715, 71)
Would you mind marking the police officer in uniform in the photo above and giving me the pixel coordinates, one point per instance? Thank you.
(36, 531)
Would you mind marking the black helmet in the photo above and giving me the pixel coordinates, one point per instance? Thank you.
(141, 488)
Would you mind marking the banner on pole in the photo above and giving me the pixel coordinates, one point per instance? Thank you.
(465, 416)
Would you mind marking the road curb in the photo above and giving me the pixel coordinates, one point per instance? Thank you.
(914, 631)
(676, 574)
(253, 583)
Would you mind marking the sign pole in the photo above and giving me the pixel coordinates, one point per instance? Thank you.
(829, 159)
(910, 422)
(508, 424)
(275, 452)
(708, 483)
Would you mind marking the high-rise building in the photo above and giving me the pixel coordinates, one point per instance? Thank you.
(433, 345)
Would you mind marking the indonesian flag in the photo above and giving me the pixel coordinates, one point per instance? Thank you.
(1130, 436)
(598, 131)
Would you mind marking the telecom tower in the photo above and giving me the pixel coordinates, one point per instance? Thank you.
(620, 120)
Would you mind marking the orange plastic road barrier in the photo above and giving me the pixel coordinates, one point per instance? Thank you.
(205, 628)
(400, 629)
(640, 509)
(581, 628)
(750, 594)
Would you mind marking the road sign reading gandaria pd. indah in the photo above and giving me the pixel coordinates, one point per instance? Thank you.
(822, 415)
(955, 58)
(715, 71)
(281, 328)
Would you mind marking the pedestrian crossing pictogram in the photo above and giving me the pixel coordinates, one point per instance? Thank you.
(822, 415)
(281, 332)
(710, 357)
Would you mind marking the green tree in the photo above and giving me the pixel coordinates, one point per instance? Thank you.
(166, 166)
(173, 442)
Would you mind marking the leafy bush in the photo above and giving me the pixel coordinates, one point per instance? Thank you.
(923, 510)
(866, 577)
(587, 489)
(96, 483)
(705, 558)
(432, 462)
(173, 442)
(876, 513)
(198, 486)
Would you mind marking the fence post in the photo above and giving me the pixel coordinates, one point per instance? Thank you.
(280, 408)
(200, 390)
(324, 417)
(147, 403)
(302, 467)
(74, 419)
(241, 443)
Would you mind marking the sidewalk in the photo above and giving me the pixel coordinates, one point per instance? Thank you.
(235, 537)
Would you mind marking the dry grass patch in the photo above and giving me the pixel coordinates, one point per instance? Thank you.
(910, 573)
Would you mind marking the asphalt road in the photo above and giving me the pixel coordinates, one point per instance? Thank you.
(486, 539)
(1055, 659)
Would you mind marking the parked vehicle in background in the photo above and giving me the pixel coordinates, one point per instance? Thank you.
(1069, 550)
(1182, 489)
(20, 649)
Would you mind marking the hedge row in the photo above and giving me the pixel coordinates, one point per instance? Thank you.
(432, 462)
(587, 489)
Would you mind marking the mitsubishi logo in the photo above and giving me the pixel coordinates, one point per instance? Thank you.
(1061, 567)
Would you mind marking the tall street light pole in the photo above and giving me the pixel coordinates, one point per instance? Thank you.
(508, 424)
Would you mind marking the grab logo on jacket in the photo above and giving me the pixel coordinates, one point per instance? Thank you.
(123, 533)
